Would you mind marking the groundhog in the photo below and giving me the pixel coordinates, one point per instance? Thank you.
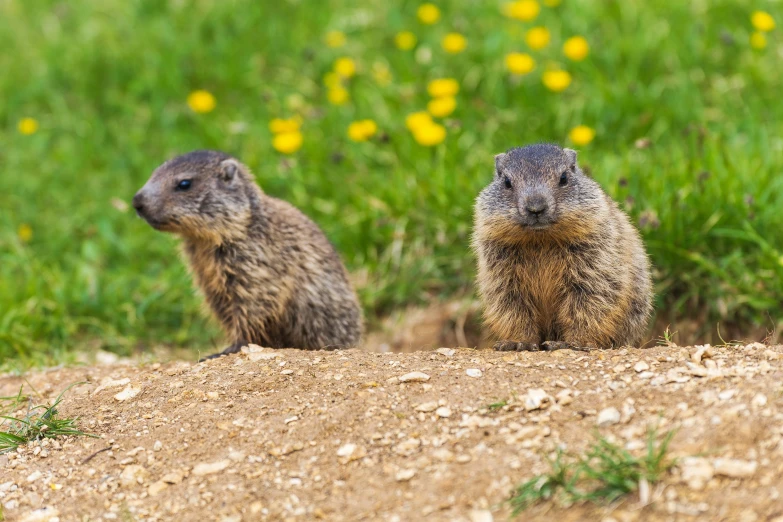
(267, 271)
(559, 264)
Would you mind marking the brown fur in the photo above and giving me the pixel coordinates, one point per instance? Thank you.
(267, 271)
(557, 263)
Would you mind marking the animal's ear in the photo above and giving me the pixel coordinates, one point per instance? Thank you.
(229, 170)
(498, 161)
(571, 155)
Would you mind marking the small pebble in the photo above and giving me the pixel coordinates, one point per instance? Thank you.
(608, 416)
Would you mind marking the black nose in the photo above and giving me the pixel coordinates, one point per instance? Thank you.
(138, 202)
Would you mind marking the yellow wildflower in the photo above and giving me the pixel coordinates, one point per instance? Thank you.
(758, 40)
(520, 63)
(287, 142)
(337, 96)
(332, 80)
(381, 73)
(201, 101)
(442, 107)
(525, 10)
(417, 119)
(430, 134)
(443, 87)
(335, 39)
(454, 43)
(281, 126)
(362, 130)
(25, 233)
(28, 126)
(428, 13)
(345, 67)
(581, 135)
(556, 81)
(576, 48)
(762, 21)
(537, 38)
(405, 40)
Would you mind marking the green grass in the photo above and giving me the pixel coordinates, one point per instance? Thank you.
(602, 475)
(39, 422)
(108, 81)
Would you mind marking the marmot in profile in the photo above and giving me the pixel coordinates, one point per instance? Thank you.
(268, 272)
(559, 264)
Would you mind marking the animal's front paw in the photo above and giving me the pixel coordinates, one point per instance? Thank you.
(515, 346)
(234, 348)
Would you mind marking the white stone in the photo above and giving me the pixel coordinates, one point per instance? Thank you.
(414, 377)
(443, 411)
(427, 406)
(405, 474)
(735, 468)
(640, 367)
(481, 515)
(696, 472)
(207, 468)
(473, 372)
(128, 393)
(608, 416)
(536, 399)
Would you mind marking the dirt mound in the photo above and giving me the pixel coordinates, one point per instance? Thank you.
(446, 435)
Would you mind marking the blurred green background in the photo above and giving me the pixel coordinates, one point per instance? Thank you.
(683, 98)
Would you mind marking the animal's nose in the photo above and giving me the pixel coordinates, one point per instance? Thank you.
(138, 202)
(536, 206)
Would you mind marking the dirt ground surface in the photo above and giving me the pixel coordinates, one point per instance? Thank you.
(355, 435)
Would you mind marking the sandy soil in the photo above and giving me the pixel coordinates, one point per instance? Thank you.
(293, 435)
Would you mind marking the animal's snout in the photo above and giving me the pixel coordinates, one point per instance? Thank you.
(138, 203)
(536, 205)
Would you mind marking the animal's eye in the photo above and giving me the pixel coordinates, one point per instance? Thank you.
(184, 184)
(507, 182)
(564, 179)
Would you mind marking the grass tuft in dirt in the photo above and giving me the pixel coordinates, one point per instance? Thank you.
(604, 474)
(40, 422)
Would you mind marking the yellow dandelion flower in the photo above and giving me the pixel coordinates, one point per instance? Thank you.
(552, 3)
(454, 43)
(525, 10)
(556, 81)
(337, 96)
(201, 101)
(581, 135)
(537, 38)
(430, 134)
(345, 67)
(417, 119)
(25, 233)
(762, 21)
(332, 80)
(281, 126)
(428, 13)
(758, 40)
(442, 107)
(28, 126)
(520, 63)
(335, 39)
(381, 73)
(405, 40)
(576, 48)
(287, 142)
(362, 130)
(443, 87)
